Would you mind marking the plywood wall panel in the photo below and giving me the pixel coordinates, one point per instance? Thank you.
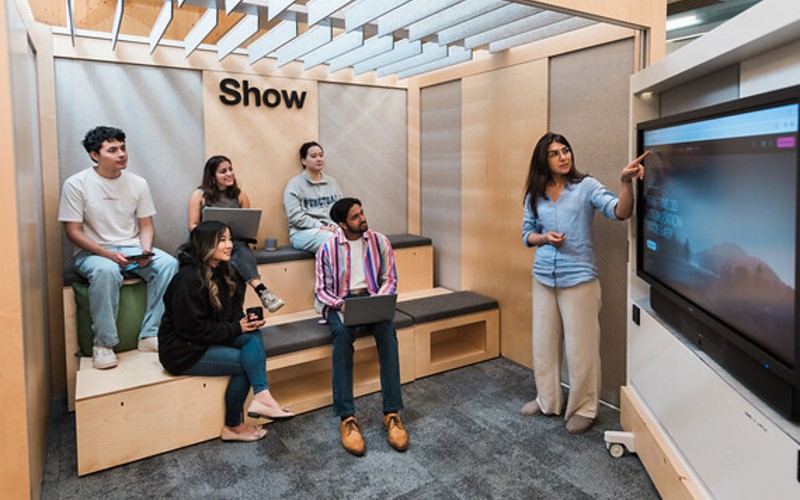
(504, 113)
(262, 142)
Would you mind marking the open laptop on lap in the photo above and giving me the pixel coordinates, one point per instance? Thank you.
(369, 309)
(242, 221)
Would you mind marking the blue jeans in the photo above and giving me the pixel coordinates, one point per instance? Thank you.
(309, 239)
(105, 278)
(244, 261)
(386, 341)
(245, 361)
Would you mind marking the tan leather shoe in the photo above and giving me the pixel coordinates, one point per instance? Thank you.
(398, 437)
(351, 436)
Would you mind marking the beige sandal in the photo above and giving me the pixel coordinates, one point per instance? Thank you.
(257, 433)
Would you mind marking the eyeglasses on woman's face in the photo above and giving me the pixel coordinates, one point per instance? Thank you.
(555, 153)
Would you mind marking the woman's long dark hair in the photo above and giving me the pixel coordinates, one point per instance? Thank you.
(211, 191)
(202, 244)
(539, 175)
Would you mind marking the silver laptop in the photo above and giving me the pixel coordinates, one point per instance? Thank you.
(242, 221)
(369, 309)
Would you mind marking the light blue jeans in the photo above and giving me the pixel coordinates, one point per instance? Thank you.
(105, 279)
(309, 239)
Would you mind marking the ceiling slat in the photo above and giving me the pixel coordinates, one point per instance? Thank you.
(365, 11)
(559, 28)
(485, 22)
(244, 29)
(454, 15)
(401, 50)
(305, 43)
(456, 55)
(272, 40)
(118, 13)
(161, 25)
(411, 12)
(341, 44)
(430, 52)
(200, 31)
(320, 9)
(375, 46)
(514, 28)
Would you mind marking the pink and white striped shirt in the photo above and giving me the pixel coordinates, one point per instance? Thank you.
(333, 269)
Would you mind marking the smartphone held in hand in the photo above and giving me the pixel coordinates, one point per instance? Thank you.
(255, 313)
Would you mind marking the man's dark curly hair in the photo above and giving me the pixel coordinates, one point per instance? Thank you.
(97, 136)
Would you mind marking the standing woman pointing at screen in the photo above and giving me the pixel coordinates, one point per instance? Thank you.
(560, 203)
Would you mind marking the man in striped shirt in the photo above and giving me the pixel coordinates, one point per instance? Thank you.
(359, 261)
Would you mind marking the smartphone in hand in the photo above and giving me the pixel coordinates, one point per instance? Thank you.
(255, 313)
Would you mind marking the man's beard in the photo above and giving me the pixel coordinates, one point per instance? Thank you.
(358, 229)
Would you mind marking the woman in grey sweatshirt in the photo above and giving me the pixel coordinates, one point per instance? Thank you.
(307, 200)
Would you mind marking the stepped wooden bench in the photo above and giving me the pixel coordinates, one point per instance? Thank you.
(282, 270)
(138, 410)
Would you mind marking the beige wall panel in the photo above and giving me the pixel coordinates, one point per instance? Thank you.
(597, 129)
(51, 193)
(31, 251)
(23, 423)
(504, 113)
(261, 142)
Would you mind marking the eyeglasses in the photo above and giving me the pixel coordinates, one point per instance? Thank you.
(555, 154)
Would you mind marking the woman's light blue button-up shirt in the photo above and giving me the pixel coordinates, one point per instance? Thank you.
(574, 262)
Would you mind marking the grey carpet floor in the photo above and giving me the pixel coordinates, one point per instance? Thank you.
(467, 440)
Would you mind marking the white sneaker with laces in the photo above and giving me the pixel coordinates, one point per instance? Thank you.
(148, 344)
(271, 301)
(103, 357)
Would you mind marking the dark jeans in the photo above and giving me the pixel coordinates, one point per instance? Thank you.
(244, 261)
(386, 340)
(245, 361)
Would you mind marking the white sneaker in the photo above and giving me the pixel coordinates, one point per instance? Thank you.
(148, 344)
(103, 357)
(271, 301)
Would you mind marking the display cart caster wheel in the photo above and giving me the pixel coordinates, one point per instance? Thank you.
(616, 450)
(619, 442)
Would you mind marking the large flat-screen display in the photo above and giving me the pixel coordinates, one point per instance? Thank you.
(717, 231)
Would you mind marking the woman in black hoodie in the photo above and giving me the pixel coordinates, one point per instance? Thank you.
(205, 332)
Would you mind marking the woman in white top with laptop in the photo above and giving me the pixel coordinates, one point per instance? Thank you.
(220, 189)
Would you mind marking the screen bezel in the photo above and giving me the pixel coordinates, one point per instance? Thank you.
(717, 325)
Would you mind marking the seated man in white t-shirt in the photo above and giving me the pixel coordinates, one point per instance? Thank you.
(108, 214)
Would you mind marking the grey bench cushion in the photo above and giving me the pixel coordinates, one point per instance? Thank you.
(287, 253)
(282, 254)
(446, 306)
(301, 335)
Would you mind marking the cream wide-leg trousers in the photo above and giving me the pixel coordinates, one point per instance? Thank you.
(569, 315)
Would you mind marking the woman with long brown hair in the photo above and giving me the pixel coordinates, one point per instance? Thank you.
(204, 330)
(560, 203)
(221, 189)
